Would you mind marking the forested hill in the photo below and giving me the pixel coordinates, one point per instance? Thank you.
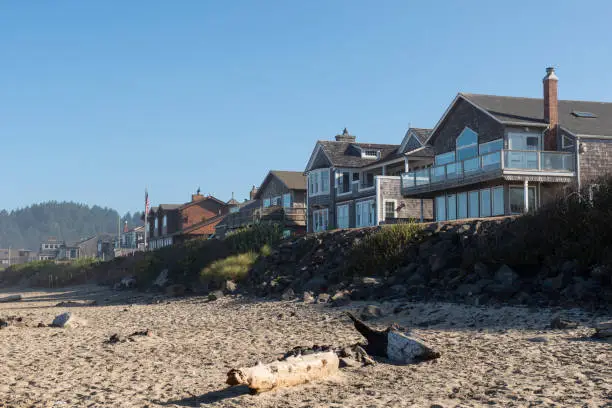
(27, 227)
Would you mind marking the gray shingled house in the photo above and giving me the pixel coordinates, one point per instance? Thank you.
(353, 184)
(502, 155)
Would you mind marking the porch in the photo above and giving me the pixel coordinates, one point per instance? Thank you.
(288, 216)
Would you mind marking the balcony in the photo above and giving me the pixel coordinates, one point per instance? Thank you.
(502, 163)
(294, 216)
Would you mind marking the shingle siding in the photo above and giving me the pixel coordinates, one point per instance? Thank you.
(411, 207)
(596, 161)
(273, 189)
(465, 114)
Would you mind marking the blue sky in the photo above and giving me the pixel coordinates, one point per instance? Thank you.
(102, 98)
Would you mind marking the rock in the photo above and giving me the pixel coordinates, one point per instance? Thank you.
(601, 274)
(507, 283)
(176, 290)
(539, 339)
(316, 284)
(72, 303)
(323, 298)
(370, 312)
(230, 286)
(63, 320)
(341, 298)
(129, 282)
(418, 277)
(481, 270)
(603, 330)
(216, 295)
(162, 279)
(553, 285)
(288, 294)
(370, 281)
(560, 323)
(399, 290)
(405, 350)
(469, 289)
(308, 298)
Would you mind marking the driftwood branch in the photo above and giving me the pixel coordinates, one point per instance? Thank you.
(11, 298)
(291, 371)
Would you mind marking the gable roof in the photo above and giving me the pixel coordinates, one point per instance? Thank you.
(293, 180)
(347, 154)
(530, 111)
(206, 198)
(421, 134)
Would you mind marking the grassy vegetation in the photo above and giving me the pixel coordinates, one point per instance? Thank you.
(234, 267)
(49, 273)
(254, 238)
(383, 250)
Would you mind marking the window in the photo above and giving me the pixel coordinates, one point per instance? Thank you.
(580, 114)
(367, 180)
(467, 144)
(266, 202)
(440, 208)
(320, 218)
(498, 201)
(567, 142)
(523, 141)
(277, 201)
(445, 158)
(451, 206)
(318, 182)
(165, 224)
(156, 231)
(342, 215)
(390, 206)
(343, 182)
(355, 176)
(485, 202)
(365, 212)
(517, 199)
(462, 205)
(370, 153)
(287, 200)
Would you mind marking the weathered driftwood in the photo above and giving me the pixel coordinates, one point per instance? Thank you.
(393, 344)
(291, 371)
(11, 298)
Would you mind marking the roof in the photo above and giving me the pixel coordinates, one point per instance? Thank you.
(425, 151)
(170, 207)
(293, 180)
(347, 154)
(421, 134)
(530, 111)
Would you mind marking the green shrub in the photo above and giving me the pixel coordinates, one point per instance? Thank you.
(234, 267)
(254, 238)
(383, 250)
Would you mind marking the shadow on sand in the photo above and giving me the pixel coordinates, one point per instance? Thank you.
(209, 397)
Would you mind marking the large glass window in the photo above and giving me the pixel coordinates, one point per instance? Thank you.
(342, 214)
(344, 182)
(467, 144)
(365, 212)
(462, 205)
(287, 200)
(266, 202)
(320, 218)
(473, 204)
(451, 206)
(440, 208)
(517, 199)
(318, 182)
(498, 201)
(491, 147)
(485, 202)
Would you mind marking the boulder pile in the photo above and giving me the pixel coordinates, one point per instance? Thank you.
(453, 262)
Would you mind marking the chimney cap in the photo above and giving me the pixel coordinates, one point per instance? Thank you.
(345, 136)
(550, 74)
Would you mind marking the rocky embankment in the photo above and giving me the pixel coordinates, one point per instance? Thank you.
(453, 262)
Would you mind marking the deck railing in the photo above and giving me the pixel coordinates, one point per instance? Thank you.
(290, 216)
(527, 160)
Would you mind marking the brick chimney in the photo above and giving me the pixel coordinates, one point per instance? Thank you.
(551, 109)
(345, 137)
(252, 193)
(197, 196)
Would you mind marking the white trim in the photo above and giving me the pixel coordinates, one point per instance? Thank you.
(538, 173)
(337, 173)
(377, 200)
(409, 134)
(388, 177)
(380, 164)
(594, 136)
(320, 180)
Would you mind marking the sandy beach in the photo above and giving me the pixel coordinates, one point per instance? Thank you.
(504, 357)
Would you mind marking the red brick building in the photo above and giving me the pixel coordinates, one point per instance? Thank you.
(170, 224)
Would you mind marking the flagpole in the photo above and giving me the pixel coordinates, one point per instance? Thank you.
(146, 224)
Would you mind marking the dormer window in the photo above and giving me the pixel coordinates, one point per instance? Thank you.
(370, 153)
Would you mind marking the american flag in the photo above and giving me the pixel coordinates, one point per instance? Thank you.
(147, 203)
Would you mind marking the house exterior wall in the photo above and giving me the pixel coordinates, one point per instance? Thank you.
(389, 189)
(199, 211)
(323, 201)
(273, 189)
(412, 144)
(464, 114)
(596, 159)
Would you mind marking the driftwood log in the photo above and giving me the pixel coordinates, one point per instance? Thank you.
(290, 371)
(603, 330)
(11, 298)
(393, 344)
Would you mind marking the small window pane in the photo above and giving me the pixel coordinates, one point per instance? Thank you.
(451, 206)
(467, 152)
(462, 205)
(441, 208)
(490, 147)
(473, 204)
(485, 202)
